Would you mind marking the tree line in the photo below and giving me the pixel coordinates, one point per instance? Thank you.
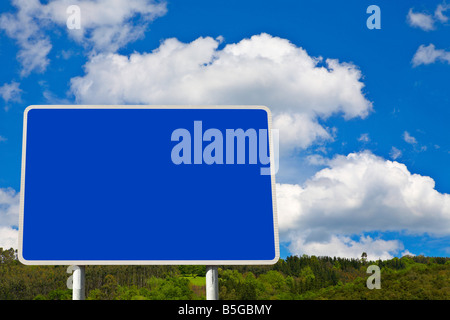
(296, 277)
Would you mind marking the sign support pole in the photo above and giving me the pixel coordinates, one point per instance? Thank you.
(78, 290)
(212, 283)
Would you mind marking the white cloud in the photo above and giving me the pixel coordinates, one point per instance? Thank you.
(407, 253)
(343, 246)
(355, 194)
(427, 21)
(11, 92)
(316, 160)
(262, 70)
(409, 138)
(9, 238)
(429, 54)
(9, 207)
(412, 141)
(106, 26)
(439, 13)
(420, 20)
(299, 131)
(364, 137)
(395, 153)
(33, 56)
(24, 28)
(9, 218)
(51, 98)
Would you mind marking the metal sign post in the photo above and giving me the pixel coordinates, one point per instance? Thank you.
(78, 287)
(212, 283)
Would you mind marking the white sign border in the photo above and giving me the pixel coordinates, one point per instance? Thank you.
(148, 262)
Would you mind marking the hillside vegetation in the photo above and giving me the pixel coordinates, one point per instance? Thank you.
(305, 277)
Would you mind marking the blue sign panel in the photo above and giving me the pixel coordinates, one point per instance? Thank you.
(147, 185)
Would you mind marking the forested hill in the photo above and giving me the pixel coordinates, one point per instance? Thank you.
(305, 277)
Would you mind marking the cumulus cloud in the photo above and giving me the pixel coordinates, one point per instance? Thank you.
(9, 218)
(355, 194)
(261, 70)
(9, 238)
(344, 246)
(299, 131)
(106, 26)
(429, 54)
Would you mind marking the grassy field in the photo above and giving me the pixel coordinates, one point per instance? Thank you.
(196, 281)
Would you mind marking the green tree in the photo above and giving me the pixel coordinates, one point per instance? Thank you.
(108, 291)
(364, 257)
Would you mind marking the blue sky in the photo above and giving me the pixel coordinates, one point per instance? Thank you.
(365, 148)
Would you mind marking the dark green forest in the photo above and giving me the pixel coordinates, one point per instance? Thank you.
(300, 278)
